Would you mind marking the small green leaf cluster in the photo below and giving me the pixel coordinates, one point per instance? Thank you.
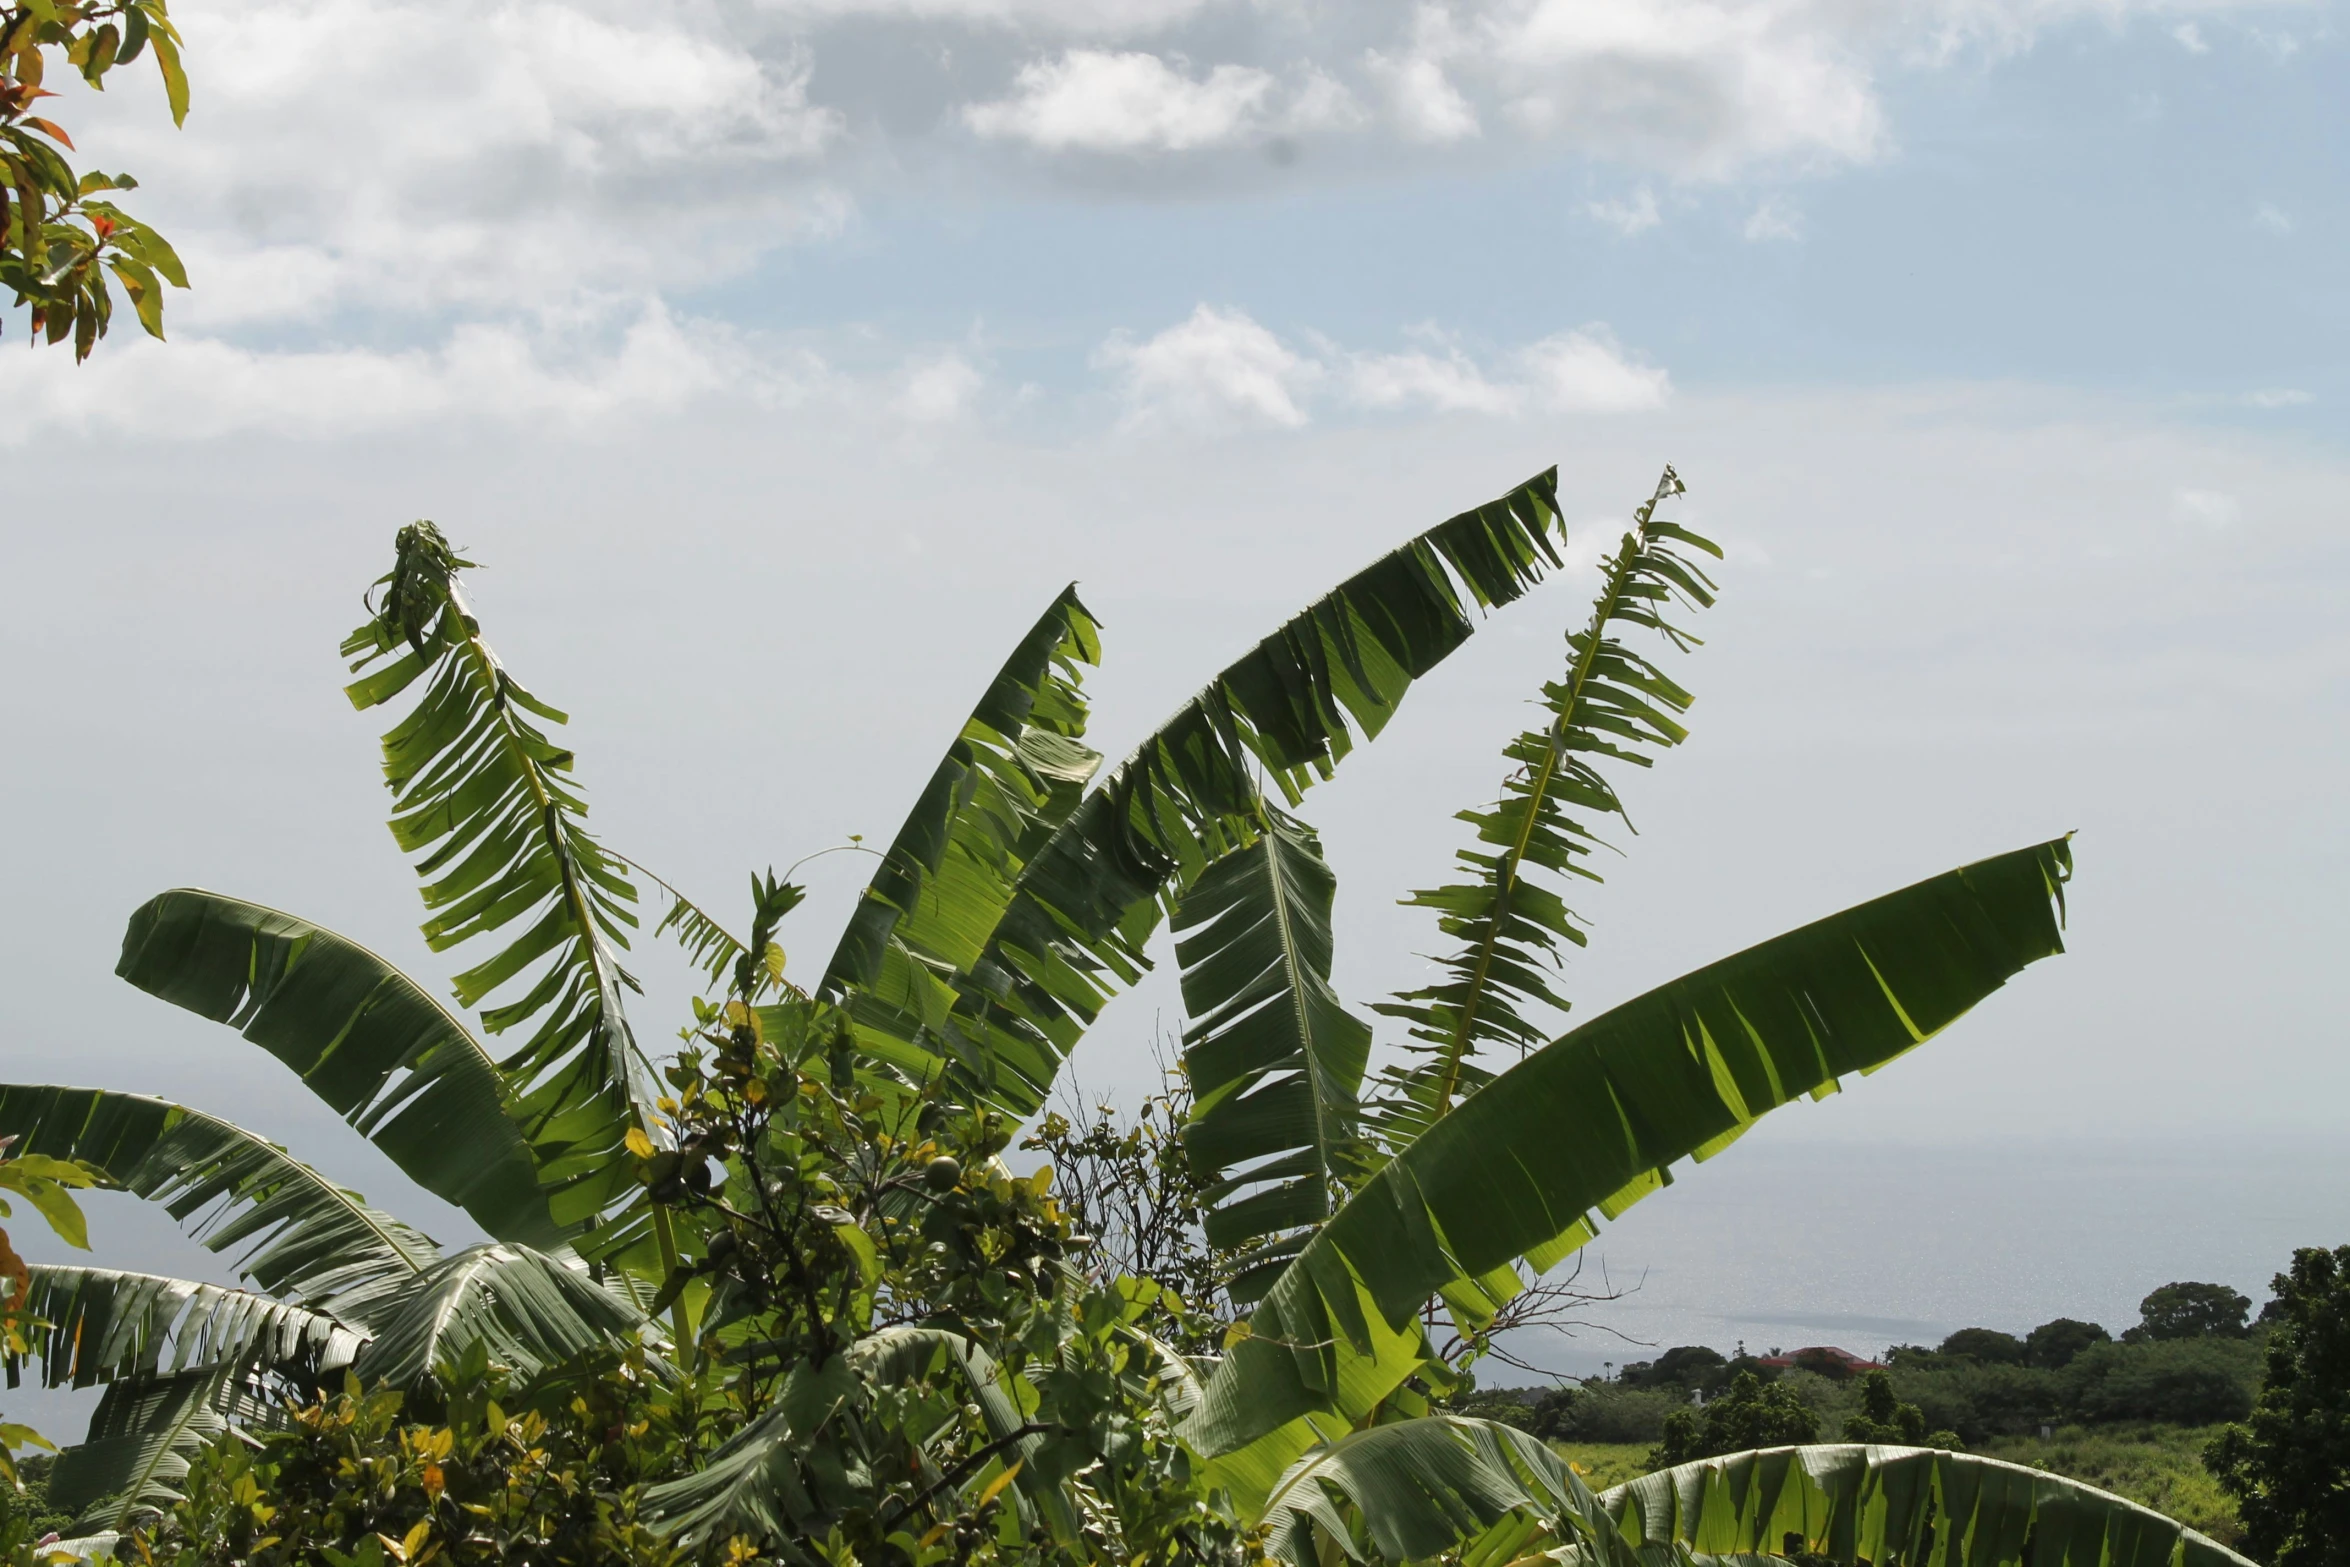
(483, 1467)
(58, 242)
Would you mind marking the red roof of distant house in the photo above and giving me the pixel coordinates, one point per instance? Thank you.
(1849, 1360)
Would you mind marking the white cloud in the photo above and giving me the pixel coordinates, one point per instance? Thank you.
(2208, 508)
(1221, 366)
(199, 387)
(1426, 105)
(1634, 216)
(1450, 383)
(1214, 367)
(1774, 219)
(2190, 38)
(938, 390)
(2274, 219)
(1093, 101)
(344, 155)
(1584, 371)
(2277, 397)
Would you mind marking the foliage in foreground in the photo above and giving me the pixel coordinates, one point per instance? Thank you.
(835, 1326)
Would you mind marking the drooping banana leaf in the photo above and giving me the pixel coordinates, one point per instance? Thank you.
(1416, 1490)
(1593, 1121)
(142, 1438)
(1274, 1058)
(1510, 926)
(486, 802)
(1924, 1508)
(312, 1242)
(105, 1326)
(1291, 708)
(363, 1036)
(527, 1309)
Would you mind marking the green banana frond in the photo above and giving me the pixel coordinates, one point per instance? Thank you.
(1593, 1121)
(142, 1438)
(312, 1242)
(527, 1310)
(1611, 704)
(363, 1036)
(1013, 774)
(718, 952)
(486, 802)
(1416, 1490)
(1290, 709)
(106, 1326)
(801, 1462)
(1274, 1058)
(1925, 1508)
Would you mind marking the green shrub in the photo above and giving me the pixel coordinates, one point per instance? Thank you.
(2185, 1382)
(1606, 1413)
(2052, 1346)
(2189, 1311)
(1978, 1401)
(1751, 1414)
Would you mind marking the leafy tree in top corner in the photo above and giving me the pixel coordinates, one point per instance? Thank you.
(58, 240)
(2288, 1465)
(2178, 1311)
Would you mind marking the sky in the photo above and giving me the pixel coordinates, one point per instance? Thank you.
(780, 360)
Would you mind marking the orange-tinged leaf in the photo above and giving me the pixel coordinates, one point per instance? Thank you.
(50, 128)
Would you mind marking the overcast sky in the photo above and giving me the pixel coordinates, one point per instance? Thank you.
(780, 361)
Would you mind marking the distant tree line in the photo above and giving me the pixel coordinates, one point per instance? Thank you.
(2193, 1359)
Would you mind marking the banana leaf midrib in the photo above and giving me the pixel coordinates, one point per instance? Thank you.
(1506, 873)
(601, 965)
(158, 1452)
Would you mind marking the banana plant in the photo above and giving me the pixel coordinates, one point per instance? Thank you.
(1486, 1495)
(1008, 908)
(1019, 896)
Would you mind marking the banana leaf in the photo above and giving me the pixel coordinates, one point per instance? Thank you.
(1015, 771)
(527, 1310)
(1415, 1490)
(487, 804)
(105, 1326)
(142, 1438)
(1917, 1506)
(1290, 709)
(1613, 704)
(363, 1036)
(311, 1241)
(1274, 1059)
(1592, 1122)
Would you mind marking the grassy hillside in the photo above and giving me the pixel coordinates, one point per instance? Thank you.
(2158, 1466)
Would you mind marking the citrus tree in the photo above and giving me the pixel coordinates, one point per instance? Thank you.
(762, 1211)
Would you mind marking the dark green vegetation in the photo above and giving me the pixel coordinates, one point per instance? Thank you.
(2288, 1465)
(777, 1294)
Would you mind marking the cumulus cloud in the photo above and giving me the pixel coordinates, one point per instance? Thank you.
(202, 387)
(1217, 366)
(1223, 367)
(2275, 219)
(1096, 101)
(939, 390)
(1635, 215)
